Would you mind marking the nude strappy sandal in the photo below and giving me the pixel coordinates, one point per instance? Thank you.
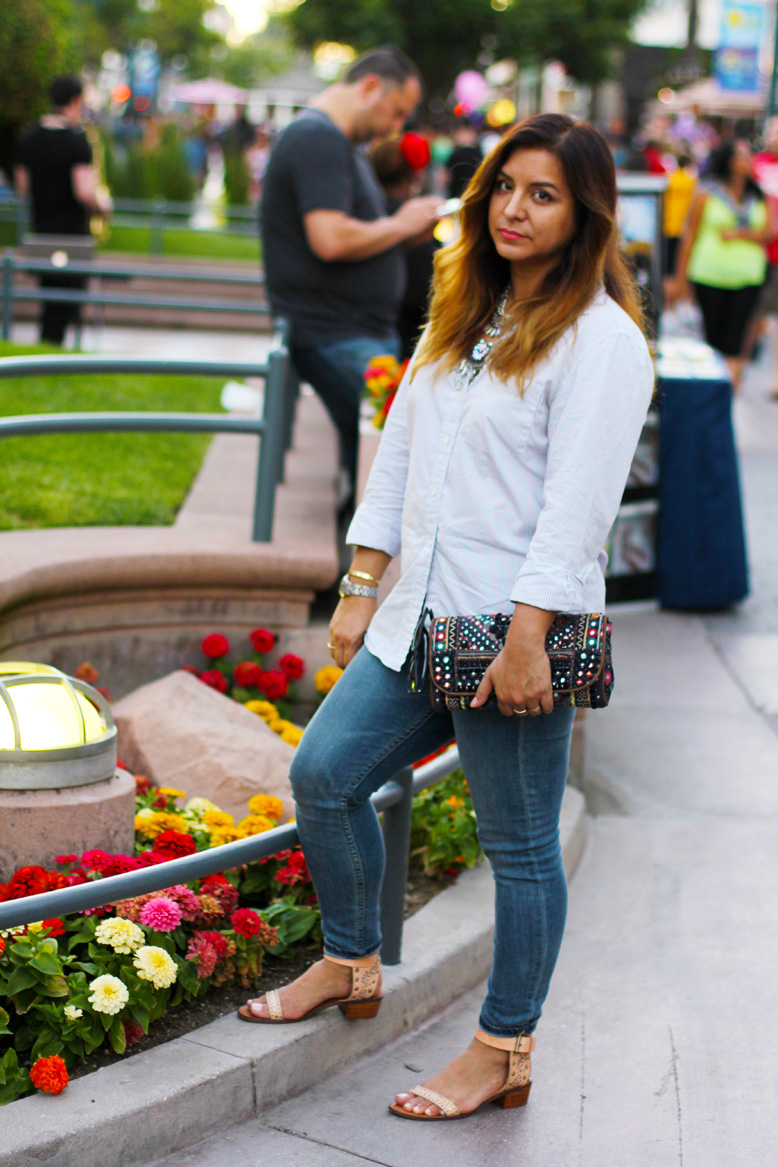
(515, 1092)
(363, 1002)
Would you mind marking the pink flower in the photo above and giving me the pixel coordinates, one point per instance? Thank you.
(186, 900)
(202, 951)
(161, 914)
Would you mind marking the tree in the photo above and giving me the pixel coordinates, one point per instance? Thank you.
(446, 36)
(39, 40)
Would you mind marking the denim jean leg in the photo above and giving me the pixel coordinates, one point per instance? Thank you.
(516, 768)
(336, 371)
(367, 729)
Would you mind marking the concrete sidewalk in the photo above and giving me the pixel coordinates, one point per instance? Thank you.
(656, 1047)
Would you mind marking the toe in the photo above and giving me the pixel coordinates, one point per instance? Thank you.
(258, 1008)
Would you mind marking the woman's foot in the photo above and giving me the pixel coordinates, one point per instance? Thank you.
(474, 1076)
(321, 982)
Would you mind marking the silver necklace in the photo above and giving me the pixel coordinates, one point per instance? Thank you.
(472, 364)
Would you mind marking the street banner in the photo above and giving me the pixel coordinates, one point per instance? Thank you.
(740, 36)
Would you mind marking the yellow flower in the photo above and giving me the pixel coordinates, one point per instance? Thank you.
(266, 804)
(217, 818)
(36, 927)
(254, 824)
(276, 724)
(119, 934)
(154, 964)
(158, 821)
(109, 994)
(385, 361)
(292, 735)
(221, 835)
(170, 792)
(263, 709)
(200, 805)
(326, 678)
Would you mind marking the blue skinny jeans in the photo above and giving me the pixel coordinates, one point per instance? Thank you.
(370, 726)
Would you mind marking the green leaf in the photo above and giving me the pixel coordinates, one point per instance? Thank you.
(4, 1019)
(117, 1037)
(47, 964)
(48, 1043)
(20, 979)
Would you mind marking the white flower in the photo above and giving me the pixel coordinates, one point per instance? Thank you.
(109, 994)
(154, 964)
(120, 934)
(72, 1013)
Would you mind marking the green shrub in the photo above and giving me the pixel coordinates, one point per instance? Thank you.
(236, 179)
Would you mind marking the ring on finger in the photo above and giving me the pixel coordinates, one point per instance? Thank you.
(521, 712)
(330, 646)
(537, 709)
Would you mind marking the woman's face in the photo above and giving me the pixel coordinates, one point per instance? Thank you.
(742, 160)
(531, 211)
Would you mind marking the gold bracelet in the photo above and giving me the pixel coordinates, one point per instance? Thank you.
(371, 579)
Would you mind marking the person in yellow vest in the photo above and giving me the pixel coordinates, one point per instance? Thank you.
(678, 199)
(723, 255)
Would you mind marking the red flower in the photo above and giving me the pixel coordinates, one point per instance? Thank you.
(149, 859)
(95, 860)
(189, 669)
(87, 673)
(118, 864)
(215, 645)
(296, 870)
(66, 860)
(142, 784)
(174, 844)
(246, 922)
(415, 149)
(2, 946)
(55, 926)
(292, 666)
(248, 674)
(203, 953)
(221, 890)
(50, 1074)
(262, 640)
(132, 1033)
(274, 684)
(214, 679)
(30, 881)
(218, 941)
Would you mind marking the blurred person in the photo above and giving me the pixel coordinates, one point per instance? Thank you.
(54, 168)
(464, 159)
(257, 157)
(766, 174)
(499, 474)
(654, 157)
(399, 165)
(723, 255)
(333, 257)
(678, 199)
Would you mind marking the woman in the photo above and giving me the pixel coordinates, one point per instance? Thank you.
(499, 475)
(723, 254)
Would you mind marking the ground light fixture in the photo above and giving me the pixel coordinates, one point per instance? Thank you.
(55, 731)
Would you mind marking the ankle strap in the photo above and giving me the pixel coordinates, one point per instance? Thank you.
(523, 1043)
(355, 962)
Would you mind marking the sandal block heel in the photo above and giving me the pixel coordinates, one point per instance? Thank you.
(518, 1097)
(360, 1010)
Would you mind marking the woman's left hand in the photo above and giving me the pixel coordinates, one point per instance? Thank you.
(521, 679)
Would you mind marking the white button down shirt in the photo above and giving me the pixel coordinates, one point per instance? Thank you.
(492, 498)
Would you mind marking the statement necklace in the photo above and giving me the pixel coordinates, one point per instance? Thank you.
(472, 364)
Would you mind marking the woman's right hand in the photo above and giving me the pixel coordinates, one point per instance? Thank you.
(677, 288)
(348, 626)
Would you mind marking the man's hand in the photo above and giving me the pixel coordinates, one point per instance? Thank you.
(417, 217)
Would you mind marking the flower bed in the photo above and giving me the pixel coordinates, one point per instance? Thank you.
(100, 979)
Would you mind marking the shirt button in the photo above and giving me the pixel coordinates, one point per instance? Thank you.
(434, 494)
(445, 441)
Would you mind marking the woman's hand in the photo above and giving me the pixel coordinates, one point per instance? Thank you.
(520, 675)
(677, 288)
(348, 626)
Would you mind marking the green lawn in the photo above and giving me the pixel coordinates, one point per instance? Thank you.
(206, 244)
(99, 479)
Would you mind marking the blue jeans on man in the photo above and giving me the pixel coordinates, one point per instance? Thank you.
(336, 372)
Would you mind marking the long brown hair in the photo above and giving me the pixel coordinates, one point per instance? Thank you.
(470, 276)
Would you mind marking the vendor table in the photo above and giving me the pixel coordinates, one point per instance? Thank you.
(700, 552)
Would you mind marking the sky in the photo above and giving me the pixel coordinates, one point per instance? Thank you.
(249, 15)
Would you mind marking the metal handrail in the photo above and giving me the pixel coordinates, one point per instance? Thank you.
(394, 798)
(274, 427)
(129, 271)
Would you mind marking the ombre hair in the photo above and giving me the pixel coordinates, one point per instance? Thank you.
(470, 275)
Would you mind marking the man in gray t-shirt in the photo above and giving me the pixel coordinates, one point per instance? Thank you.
(332, 256)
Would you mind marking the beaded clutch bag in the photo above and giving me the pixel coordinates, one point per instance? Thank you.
(461, 648)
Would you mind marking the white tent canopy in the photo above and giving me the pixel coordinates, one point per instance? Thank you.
(208, 91)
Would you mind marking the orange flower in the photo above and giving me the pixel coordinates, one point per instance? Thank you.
(50, 1074)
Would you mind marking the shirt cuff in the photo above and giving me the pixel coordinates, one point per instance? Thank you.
(363, 532)
(550, 588)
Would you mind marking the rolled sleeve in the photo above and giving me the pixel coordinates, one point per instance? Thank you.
(594, 422)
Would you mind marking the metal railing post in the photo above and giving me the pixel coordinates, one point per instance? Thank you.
(21, 221)
(8, 294)
(397, 831)
(271, 446)
(157, 227)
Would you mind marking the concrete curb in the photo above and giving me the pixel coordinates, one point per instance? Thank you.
(224, 1073)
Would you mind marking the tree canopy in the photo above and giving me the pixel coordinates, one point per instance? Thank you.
(444, 37)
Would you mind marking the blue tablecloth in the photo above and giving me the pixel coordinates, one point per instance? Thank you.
(701, 552)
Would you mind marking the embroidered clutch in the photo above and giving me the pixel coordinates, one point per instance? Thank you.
(461, 648)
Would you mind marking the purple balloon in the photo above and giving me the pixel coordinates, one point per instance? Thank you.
(471, 88)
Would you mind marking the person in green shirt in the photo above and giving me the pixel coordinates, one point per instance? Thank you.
(723, 254)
